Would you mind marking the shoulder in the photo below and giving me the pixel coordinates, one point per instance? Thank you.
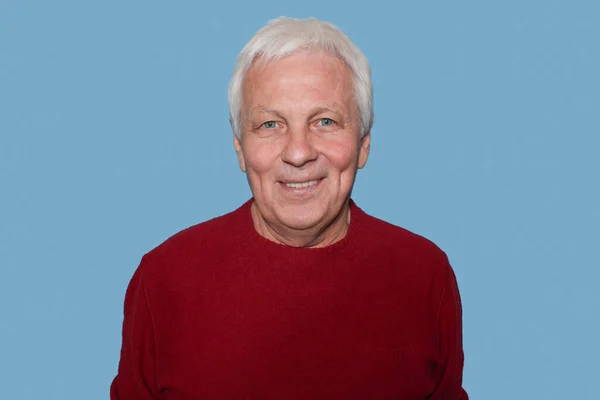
(400, 243)
(405, 259)
(199, 241)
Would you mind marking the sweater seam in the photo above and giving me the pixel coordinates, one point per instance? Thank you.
(152, 321)
(439, 309)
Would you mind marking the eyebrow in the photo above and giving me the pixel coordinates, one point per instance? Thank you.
(321, 108)
(260, 110)
(263, 110)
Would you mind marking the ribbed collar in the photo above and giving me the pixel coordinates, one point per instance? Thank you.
(259, 243)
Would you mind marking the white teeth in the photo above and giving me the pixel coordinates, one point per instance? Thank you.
(301, 184)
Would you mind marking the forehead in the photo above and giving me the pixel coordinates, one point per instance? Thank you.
(298, 80)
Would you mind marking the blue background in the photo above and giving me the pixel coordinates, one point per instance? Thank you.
(114, 135)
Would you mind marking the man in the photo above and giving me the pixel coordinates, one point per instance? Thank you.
(298, 294)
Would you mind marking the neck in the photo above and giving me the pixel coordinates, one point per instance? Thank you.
(321, 235)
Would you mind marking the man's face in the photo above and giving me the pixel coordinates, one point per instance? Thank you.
(301, 144)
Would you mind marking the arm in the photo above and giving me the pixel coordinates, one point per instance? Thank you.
(136, 377)
(450, 341)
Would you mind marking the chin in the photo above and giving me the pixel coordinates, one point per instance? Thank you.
(301, 218)
(299, 222)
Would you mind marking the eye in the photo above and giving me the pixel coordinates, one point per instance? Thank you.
(326, 122)
(270, 124)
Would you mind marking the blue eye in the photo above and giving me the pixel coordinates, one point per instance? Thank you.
(326, 122)
(270, 124)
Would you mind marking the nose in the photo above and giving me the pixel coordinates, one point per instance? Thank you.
(299, 149)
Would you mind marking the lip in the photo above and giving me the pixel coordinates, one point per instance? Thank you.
(300, 190)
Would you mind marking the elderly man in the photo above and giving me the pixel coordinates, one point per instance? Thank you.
(297, 294)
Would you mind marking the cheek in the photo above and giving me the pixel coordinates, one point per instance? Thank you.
(260, 160)
(343, 156)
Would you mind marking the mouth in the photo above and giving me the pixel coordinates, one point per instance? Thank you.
(301, 187)
(301, 184)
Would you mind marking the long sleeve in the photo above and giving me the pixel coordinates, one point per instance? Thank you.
(136, 377)
(450, 341)
(219, 312)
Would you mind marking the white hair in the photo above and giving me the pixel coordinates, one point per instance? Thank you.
(283, 36)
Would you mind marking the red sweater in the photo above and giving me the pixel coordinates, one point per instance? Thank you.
(219, 312)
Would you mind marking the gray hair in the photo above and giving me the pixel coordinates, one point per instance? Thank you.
(283, 36)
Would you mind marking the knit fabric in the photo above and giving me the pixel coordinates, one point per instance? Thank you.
(219, 312)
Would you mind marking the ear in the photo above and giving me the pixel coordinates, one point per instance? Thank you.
(237, 144)
(363, 152)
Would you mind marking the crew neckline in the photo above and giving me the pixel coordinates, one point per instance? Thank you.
(259, 242)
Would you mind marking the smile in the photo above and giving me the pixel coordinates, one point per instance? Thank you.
(301, 184)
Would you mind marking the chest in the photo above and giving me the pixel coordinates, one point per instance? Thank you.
(242, 336)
